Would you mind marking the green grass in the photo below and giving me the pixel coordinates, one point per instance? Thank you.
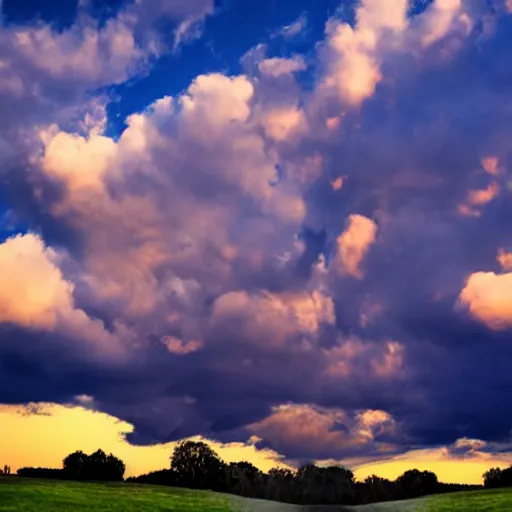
(496, 500)
(31, 495)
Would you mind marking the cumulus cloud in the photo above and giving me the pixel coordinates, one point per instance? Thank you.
(354, 67)
(438, 20)
(33, 288)
(353, 244)
(202, 153)
(35, 294)
(354, 55)
(488, 297)
(272, 319)
(98, 56)
(351, 358)
(324, 432)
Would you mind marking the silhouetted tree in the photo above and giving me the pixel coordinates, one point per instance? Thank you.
(377, 489)
(245, 479)
(97, 466)
(414, 483)
(280, 485)
(74, 465)
(338, 485)
(161, 477)
(497, 477)
(197, 466)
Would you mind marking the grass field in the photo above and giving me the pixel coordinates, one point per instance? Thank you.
(30, 495)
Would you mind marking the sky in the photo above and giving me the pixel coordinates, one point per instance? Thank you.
(280, 227)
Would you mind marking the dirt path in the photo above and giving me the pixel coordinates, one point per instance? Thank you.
(254, 505)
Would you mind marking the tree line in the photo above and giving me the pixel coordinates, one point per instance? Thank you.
(195, 465)
(97, 466)
(497, 477)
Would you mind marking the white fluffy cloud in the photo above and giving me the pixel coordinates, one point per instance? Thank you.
(353, 68)
(188, 152)
(353, 55)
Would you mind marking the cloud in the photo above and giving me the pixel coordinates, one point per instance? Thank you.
(479, 198)
(176, 346)
(293, 29)
(189, 16)
(206, 238)
(505, 260)
(353, 244)
(272, 320)
(102, 430)
(83, 53)
(351, 358)
(78, 162)
(282, 123)
(491, 165)
(353, 63)
(36, 295)
(34, 291)
(353, 56)
(277, 66)
(170, 148)
(488, 297)
(323, 432)
(439, 19)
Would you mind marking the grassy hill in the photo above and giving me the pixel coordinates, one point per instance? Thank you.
(30, 495)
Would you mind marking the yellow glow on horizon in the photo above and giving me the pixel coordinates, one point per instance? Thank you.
(44, 439)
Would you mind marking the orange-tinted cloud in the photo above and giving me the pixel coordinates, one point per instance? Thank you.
(323, 430)
(353, 244)
(34, 294)
(270, 319)
(491, 165)
(176, 346)
(488, 298)
(505, 260)
(337, 184)
(353, 357)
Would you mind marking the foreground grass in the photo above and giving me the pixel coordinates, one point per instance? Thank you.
(496, 500)
(31, 495)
